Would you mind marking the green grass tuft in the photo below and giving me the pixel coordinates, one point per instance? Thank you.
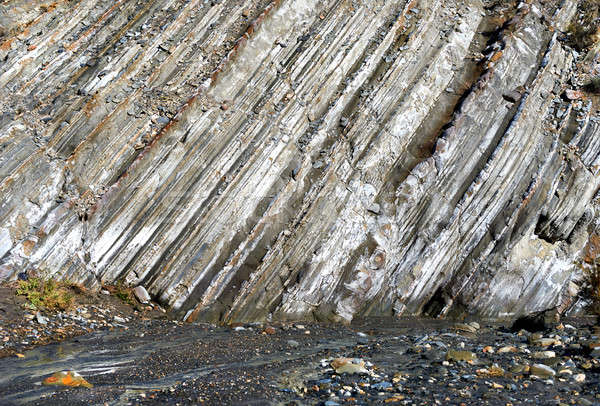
(47, 294)
(125, 294)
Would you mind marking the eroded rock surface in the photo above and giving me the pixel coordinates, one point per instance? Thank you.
(300, 159)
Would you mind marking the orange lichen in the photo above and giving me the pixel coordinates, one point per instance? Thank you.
(6, 44)
(496, 56)
(67, 378)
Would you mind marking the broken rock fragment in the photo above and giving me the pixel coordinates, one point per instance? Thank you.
(67, 378)
(141, 294)
(460, 355)
(349, 366)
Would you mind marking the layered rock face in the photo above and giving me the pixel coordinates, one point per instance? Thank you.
(300, 159)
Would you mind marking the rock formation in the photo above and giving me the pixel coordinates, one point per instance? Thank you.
(300, 159)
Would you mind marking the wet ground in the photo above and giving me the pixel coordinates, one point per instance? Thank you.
(23, 327)
(406, 361)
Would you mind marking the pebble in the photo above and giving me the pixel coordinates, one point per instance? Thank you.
(162, 120)
(475, 325)
(67, 378)
(541, 370)
(466, 327)
(519, 369)
(382, 385)
(349, 366)
(512, 96)
(41, 319)
(460, 355)
(544, 342)
(141, 294)
(573, 94)
(544, 354)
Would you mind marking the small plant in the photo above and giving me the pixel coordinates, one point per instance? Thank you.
(124, 294)
(46, 294)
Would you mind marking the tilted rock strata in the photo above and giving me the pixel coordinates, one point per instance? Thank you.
(299, 159)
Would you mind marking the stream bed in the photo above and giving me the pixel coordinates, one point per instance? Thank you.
(377, 361)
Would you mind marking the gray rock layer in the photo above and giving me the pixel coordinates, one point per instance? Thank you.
(299, 159)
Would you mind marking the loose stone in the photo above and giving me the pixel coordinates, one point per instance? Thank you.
(541, 370)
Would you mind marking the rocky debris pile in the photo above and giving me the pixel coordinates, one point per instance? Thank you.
(380, 361)
(37, 329)
(462, 365)
(22, 328)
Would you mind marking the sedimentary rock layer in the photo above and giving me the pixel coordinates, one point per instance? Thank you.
(299, 159)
